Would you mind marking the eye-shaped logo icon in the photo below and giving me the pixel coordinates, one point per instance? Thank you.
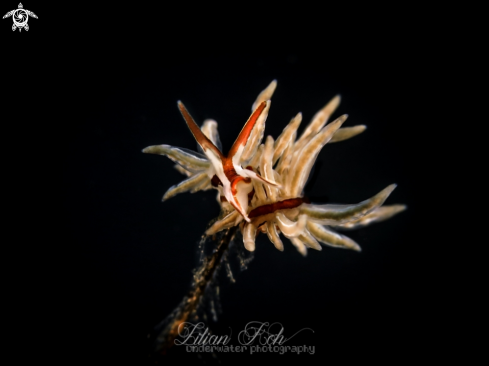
(20, 17)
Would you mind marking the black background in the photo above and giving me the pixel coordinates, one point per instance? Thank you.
(98, 259)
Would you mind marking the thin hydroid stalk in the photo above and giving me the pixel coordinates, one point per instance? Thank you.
(190, 303)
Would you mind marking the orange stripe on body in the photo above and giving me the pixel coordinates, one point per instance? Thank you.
(272, 207)
(235, 182)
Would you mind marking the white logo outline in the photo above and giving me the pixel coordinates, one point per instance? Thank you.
(20, 17)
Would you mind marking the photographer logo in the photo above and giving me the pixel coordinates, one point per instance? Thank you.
(20, 17)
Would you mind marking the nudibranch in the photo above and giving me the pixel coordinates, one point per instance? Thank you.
(261, 185)
(235, 181)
